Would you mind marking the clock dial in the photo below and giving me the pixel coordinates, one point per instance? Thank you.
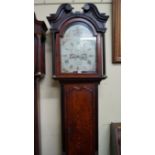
(78, 50)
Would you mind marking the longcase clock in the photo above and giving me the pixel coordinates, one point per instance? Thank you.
(78, 54)
(39, 71)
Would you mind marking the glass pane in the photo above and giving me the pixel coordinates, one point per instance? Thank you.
(78, 50)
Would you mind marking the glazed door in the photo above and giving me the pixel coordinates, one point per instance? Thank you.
(80, 109)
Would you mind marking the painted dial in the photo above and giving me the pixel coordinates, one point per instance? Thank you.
(78, 50)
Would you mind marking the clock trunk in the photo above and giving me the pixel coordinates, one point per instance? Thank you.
(79, 115)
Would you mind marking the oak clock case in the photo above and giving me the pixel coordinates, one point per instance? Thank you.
(39, 71)
(78, 56)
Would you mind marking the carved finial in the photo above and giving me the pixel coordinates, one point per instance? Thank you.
(86, 7)
(68, 7)
(90, 7)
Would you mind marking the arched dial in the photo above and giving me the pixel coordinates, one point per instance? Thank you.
(78, 50)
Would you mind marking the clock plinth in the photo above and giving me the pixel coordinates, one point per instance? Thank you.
(79, 64)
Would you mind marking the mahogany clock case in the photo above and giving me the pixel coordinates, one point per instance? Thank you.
(79, 90)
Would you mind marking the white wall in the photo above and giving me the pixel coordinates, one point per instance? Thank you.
(109, 89)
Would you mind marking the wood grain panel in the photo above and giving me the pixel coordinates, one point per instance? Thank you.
(80, 119)
(116, 31)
